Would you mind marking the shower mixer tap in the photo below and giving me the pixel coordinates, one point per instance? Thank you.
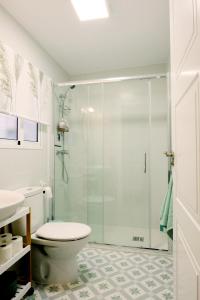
(63, 152)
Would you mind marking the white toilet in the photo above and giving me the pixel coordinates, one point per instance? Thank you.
(55, 245)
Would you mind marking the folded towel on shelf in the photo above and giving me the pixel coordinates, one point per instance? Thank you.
(166, 216)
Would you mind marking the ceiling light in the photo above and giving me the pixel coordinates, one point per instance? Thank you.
(90, 9)
(91, 109)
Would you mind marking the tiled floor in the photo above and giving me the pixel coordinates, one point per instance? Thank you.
(114, 273)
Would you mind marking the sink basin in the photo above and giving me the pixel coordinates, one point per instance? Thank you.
(9, 202)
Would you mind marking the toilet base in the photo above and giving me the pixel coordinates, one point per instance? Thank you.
(64, 272)
(56, 264)
(59, 271)
(47, 270)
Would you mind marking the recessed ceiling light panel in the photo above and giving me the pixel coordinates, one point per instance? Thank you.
(90, 9)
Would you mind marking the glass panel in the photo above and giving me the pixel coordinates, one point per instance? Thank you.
(76, 144)
(71, 193)
(8, 127)
(81, 198)
(159, 163)
(30, 131)
(95, 163)
(126, 137)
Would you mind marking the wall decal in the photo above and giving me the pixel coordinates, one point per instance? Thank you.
(25, 90)
(5, 81)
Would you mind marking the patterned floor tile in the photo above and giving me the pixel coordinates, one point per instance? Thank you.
(151, 284)
(163, 262)
(109, 270)
(85, 265)
(165, 277)
(138, 259)
(65, 297)
(115, 296)
(166, 295)
(104, 286)
(121, 279)
(73, 285)
(113, 256)
(123, 264)
(36, 296)
(99, 261)
(113, 273)
(150, 267)
(53, 290)
(136, 273)
(135, 291)
(91, 253)
(84, 293)
(91, 276)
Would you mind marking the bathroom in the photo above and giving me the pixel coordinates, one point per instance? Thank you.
(99, 192)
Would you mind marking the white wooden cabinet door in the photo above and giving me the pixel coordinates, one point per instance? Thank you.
(185, 83)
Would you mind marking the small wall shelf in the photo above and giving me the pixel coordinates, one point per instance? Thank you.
(14, 259)
(23, 211)
(22, 289)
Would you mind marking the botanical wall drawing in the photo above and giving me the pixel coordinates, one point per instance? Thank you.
(24, 89)
(33, 81)
(18, 66)
(5, 81)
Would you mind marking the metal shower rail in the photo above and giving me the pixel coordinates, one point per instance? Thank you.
(113, 79)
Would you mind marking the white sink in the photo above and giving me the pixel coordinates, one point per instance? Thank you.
(9, 202)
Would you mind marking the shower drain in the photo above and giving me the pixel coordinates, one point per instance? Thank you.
(138, 239)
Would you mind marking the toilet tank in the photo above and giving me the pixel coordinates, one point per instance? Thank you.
(35, 200)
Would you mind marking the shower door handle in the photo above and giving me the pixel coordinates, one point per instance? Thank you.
(145, 162)
(170, 154)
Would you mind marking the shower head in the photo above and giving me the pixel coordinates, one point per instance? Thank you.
(62, 125)
(64, 96)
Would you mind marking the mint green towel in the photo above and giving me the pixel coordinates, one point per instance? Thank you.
(166, 216)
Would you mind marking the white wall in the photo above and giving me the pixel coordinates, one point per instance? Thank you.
(25, 167)
(15, 36)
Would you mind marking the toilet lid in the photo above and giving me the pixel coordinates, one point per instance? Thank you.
(63, 231)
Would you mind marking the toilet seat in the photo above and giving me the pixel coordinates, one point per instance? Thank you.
(42, 242)
(63, 231)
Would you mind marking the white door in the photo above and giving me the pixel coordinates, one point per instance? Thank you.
(185, 68)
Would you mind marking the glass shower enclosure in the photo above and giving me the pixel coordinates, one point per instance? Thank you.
(115, 173)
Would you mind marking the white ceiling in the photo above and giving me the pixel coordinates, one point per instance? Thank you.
(136, 34)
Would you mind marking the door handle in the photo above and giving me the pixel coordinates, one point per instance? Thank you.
(170, 155)
(145, 162)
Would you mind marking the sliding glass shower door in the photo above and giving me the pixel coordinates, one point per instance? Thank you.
(126, 169)
(115, 164)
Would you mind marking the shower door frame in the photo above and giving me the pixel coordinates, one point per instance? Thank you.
(113, 79)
